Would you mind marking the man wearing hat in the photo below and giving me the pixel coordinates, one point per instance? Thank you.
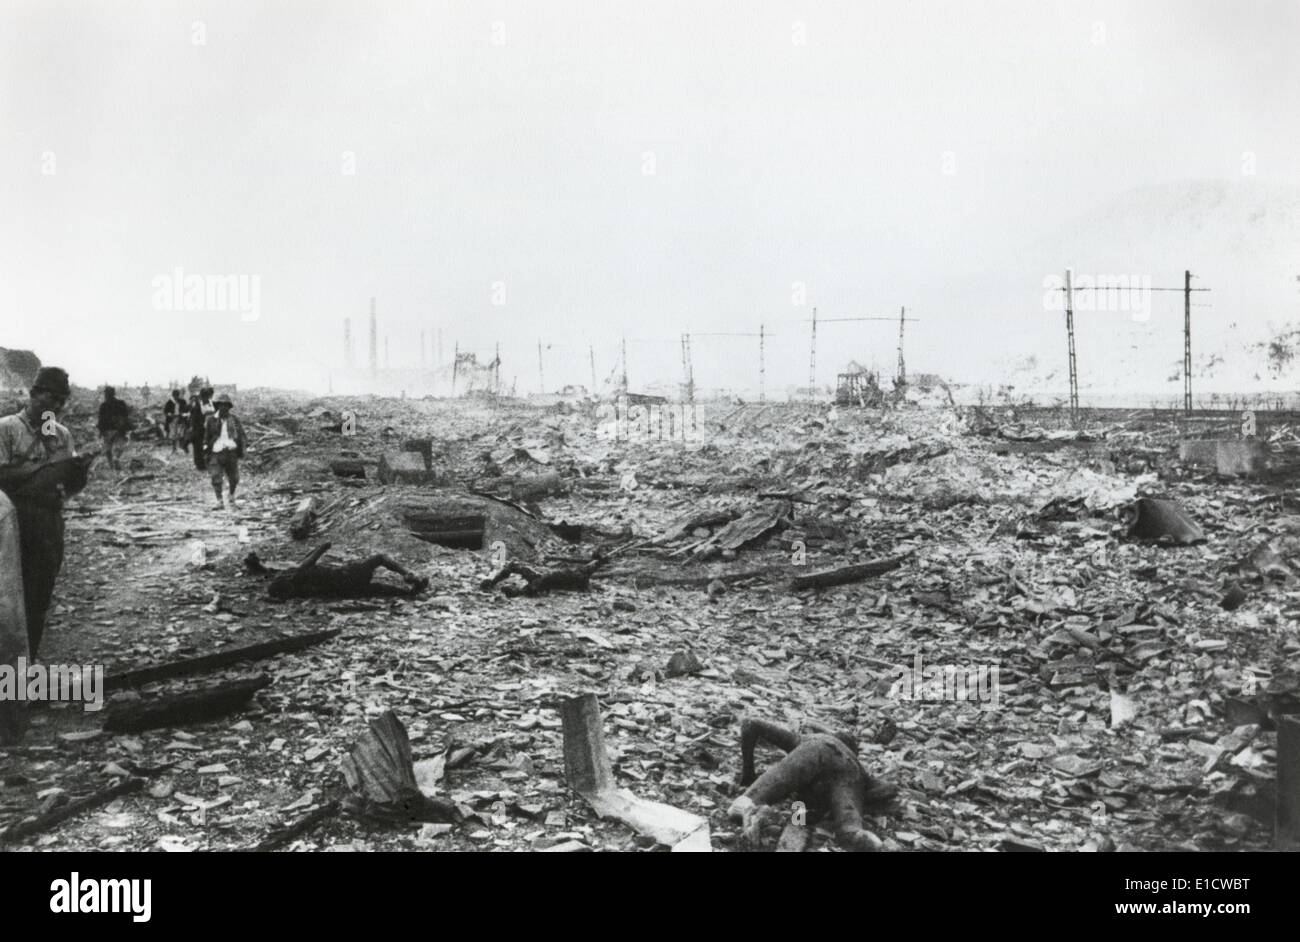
(113, 424)
(224, 446)
(38, 468)
(176, 421)
(199, 413)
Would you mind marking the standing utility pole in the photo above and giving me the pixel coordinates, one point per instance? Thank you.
(762, 366)
(455, 368)
(625, 366)
(1069, 329)
(374, 341)
(541, 380)
(496, 371)
(1187, 341)
(1186, 289)
(690, 377)
(812, 360)
(591, 355)
(685, 373)
(902, 366)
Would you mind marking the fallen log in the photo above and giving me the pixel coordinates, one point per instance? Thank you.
(207, 662)
(304, 519)
(845, 574)
(71, 809)
(587, 770)
(192, 706)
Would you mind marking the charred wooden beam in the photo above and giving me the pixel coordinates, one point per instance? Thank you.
(291, 832)
(207, 662)
(192, 706)
(845, 574)
(70, 810)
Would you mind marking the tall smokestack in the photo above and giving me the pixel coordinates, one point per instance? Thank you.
(347, 342)
(374, 341)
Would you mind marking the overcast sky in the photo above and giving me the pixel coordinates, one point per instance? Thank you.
(604, 168)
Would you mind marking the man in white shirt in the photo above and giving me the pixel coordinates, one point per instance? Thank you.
(224, 446)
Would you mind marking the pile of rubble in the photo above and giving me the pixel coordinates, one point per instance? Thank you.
(1109, 629)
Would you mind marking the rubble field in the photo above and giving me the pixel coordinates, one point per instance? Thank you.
(1130, 672)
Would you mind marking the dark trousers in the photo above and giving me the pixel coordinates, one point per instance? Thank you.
(40, 536)
(200, 459)
(224, 464)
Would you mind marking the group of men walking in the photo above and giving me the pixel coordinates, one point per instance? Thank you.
(39, 467)
(207, 427)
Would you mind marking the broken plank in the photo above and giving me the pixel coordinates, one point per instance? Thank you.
(282, 836)
(207, 662)
(192, 706)
(71, 809)
(845, 574)
(643, 579)
(588, 771)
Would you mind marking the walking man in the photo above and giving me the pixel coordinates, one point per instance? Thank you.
(113, 425)
(224, 445)
(199, 413)
(174, 415)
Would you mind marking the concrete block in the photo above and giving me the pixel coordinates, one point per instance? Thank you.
(1244, 456)
(404, 467)
(1200, 454)
(423, 446)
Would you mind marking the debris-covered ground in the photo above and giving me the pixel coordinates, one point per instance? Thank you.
(1132, 705)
